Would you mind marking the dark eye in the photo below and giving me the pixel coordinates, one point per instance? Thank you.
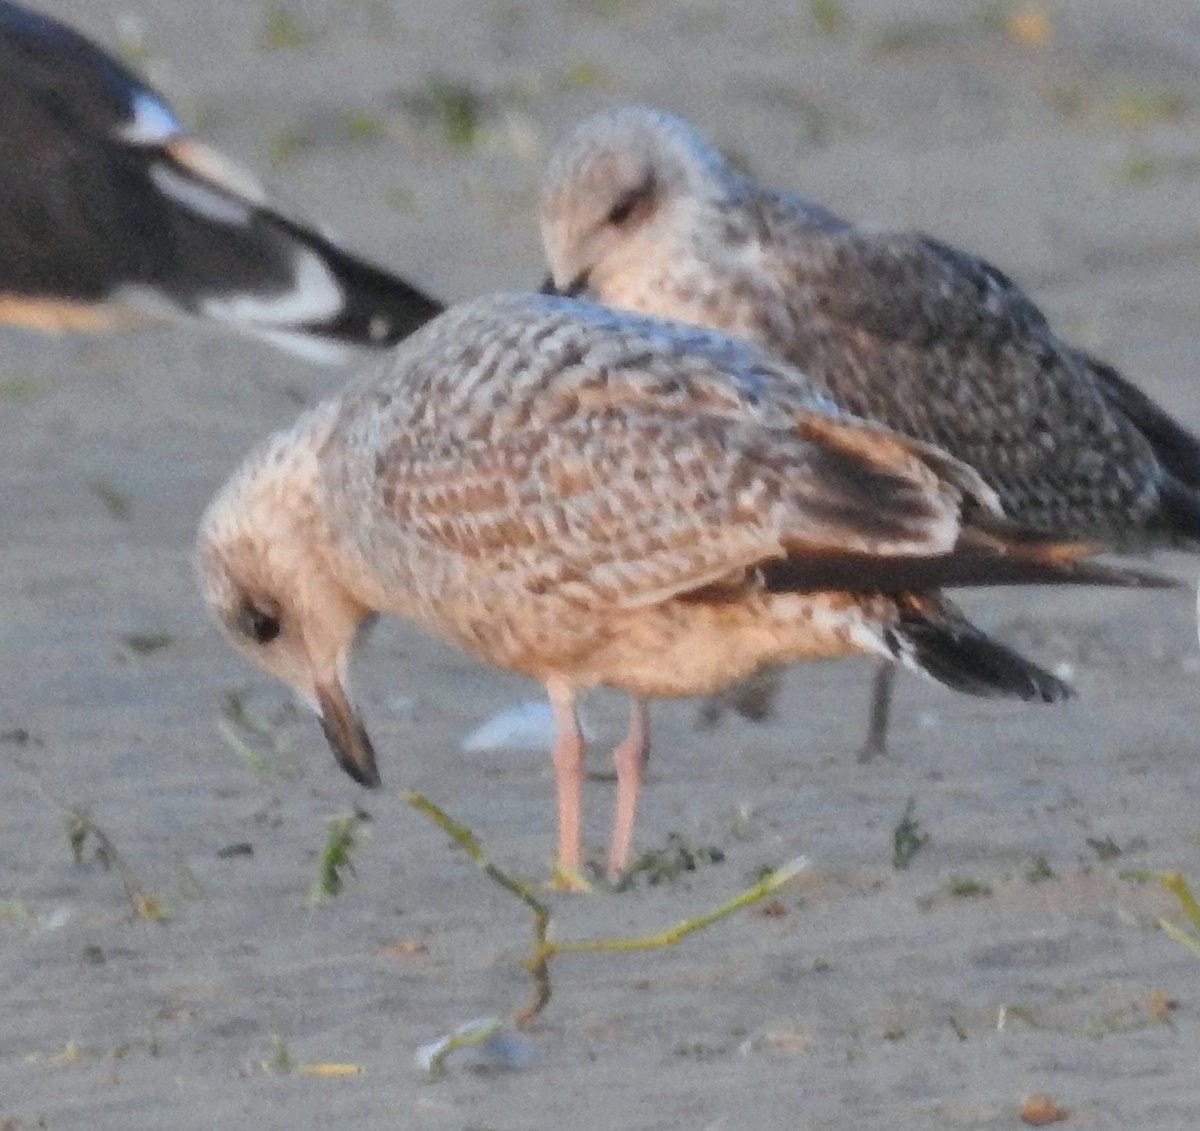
(629, 201)
(259, 623)
(623, 209)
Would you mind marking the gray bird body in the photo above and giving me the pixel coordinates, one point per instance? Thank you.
(639, 212)
(896, 327)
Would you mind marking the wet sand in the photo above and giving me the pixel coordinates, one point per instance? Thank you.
(870, 997)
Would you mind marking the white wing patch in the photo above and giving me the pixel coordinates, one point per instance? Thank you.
(152, 122)
(314, 295)
(194, 195)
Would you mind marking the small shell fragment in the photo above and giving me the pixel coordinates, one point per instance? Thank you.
(527, 726)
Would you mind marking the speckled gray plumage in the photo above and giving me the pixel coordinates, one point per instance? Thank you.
(895, 326)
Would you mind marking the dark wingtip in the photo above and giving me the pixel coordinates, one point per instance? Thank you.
(1177, 449)
(548, 287)
(1179, 509)
(380, 309)
(1118, 577)
(967, 567)
(951, 650)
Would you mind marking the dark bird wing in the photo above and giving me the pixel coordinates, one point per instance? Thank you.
(932, 635)
(941, 345)
(1176, 448)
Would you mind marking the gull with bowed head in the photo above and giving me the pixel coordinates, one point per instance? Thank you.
(593, 498)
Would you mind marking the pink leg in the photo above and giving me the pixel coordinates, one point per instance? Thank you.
(568, 774)
(630, 759)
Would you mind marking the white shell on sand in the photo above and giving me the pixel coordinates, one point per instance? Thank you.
(521, 727)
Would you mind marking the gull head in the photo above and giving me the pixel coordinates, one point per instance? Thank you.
(268, 572)
(619, 189)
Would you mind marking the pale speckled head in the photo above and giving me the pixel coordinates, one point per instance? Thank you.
(619, 186)
(262, 559)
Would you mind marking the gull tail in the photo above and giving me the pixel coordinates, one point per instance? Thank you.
(931, 636)
(111, 212)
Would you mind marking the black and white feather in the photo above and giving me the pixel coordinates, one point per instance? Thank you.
(112, 211)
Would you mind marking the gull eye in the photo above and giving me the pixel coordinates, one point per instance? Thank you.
(623, 209)
(628, 202)
(260, 623)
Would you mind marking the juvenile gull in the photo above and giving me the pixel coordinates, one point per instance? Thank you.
(640, 212)
(111, 213)
(594, 498)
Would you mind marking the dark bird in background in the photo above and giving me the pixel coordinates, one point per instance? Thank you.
(113, 214)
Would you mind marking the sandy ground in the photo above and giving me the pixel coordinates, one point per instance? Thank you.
(871, 997)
